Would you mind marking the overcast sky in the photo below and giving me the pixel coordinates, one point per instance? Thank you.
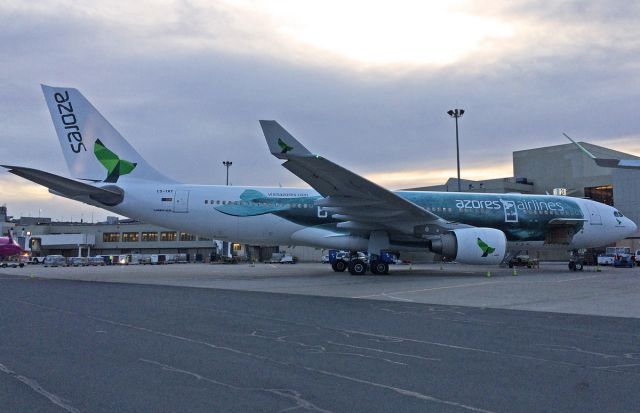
(364, 83)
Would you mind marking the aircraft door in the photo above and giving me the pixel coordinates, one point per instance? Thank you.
(181, 201)
(594, 214)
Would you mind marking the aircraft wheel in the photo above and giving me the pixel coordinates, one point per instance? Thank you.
(357, 267)
(379, 267)
(339, 266)
(4, 265)
(21, 264)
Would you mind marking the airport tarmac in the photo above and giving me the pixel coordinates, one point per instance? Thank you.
(74, 346)
(609, 292)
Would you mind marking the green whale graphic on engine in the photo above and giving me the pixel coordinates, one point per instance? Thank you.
(486, 249)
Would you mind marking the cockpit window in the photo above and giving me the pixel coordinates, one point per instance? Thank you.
(617, 214)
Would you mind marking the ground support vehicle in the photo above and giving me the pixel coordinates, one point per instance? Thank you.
(11, 262)
(288, 259)
(523, 261)
(55, 261)
(606, 259)
(623, 261)
(77, 262)
(275, 258)
(96, 261)
(36, 260)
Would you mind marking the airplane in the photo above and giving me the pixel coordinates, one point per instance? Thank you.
(9, 248)
(341, 210)
(608, 162)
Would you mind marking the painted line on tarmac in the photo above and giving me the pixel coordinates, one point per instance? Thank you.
(577, 279)
(389, 294)
(57, 400)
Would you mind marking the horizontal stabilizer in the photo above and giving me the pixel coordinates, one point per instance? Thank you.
(110, 195)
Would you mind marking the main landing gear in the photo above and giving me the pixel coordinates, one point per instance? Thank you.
(358, 264)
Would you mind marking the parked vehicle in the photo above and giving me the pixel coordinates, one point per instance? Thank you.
(96, 261)
(606, 259)
(288, 259)
(158, 259)
(36, 260)
(55, 261)
(12, 262)
(623, 261)
(275, 258)
(77, 262)
(523, 261)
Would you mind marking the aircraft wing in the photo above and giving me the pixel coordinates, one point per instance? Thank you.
(348, 196)
(607, 162)
(110, 195)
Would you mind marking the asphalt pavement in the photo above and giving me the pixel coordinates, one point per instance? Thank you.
(78, 346)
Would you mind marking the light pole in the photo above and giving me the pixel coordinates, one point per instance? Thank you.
(457, 113)
(227, 164)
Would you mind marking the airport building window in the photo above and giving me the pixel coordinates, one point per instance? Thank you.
(111, 237)
(603, 193)
(149, 236)
(236, 247)
(204, 239)
(130, 237)
(185, 236)
(168, 236)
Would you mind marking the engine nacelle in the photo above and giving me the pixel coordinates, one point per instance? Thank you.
(472, 245)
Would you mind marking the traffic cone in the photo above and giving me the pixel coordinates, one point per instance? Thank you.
(515, 272)
(488, 274)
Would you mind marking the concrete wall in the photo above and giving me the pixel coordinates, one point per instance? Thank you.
(564, 166)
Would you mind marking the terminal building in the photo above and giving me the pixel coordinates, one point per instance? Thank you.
(560, 169)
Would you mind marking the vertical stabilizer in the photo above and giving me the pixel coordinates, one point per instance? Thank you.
(93, 149)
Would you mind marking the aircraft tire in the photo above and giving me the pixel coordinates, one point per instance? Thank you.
(379, 267)
(357, 267)
(339, 266)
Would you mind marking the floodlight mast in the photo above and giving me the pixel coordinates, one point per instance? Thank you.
(457, 113)
(227, 164)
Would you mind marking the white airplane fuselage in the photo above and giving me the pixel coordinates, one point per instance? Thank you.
(289, 216)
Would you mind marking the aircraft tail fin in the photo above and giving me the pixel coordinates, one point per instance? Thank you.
(281, 144)
(603, 162)
(93, 148)
(582, 148)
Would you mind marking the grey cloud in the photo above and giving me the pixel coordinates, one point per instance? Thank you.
(187, 109)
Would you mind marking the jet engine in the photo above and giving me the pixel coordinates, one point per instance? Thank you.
(472, 245)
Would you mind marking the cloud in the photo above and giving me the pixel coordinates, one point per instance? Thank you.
(186, 82)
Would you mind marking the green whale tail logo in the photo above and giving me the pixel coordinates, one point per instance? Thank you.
(115, 166)
(285, 148)
(486, 249)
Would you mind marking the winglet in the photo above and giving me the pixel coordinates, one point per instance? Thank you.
(281, 144)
